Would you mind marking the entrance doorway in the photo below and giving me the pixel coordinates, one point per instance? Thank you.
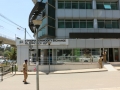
(111, 55)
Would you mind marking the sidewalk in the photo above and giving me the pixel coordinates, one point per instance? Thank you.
(67, 71)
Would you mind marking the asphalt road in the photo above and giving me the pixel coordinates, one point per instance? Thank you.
(74, 81)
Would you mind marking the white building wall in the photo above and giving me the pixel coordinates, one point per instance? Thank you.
(22, 54)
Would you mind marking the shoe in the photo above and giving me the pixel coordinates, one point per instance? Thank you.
(26, 83)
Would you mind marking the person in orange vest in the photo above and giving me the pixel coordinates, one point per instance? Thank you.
(25, 71)
(100, 62)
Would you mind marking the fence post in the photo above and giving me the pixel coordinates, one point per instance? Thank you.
(12, 68)
(1, 73)
(15, 69)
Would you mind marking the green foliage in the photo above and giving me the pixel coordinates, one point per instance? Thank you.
(10, 54)
(77, 52)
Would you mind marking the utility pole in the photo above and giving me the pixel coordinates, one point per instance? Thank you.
(25, 33)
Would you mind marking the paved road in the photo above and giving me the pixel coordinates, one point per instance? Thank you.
(74, 81)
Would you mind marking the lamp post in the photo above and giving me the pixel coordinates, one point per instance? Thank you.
(37, 62)
(25, 31)
(49, 55)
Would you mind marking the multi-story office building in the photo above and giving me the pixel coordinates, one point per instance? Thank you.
(89, 27)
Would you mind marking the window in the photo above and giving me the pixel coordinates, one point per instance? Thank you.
(61, 5)
(75, 24)
(108, 24)
(81, 5)
(74, 5)
(67, 5)
(61, 24)
(51, 31)
(115, 24)
(68, 24)
(107, 5)
(100, 6)
(114, 6)
(89, 24)
(82, 24)
(88, 5)
(101, 24)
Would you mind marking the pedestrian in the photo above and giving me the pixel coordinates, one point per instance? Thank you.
(100, 62)
(25, 71)
(104, 57)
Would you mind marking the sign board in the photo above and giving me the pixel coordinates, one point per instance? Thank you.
(45, 42)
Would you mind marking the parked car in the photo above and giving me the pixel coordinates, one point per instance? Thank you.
(90, 59)
(2, 61)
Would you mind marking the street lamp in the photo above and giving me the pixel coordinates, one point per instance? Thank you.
(25, 31)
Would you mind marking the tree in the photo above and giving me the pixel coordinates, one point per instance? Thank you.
(10, 54)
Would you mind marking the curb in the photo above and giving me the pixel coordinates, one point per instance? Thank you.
(66, 72)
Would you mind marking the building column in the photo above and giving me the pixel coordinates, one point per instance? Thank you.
(94, 4)
(42, 57)
(119, 4)
(95, 23)
(53, 56)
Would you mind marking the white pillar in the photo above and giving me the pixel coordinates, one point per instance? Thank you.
(95, 23)
(42, 56)
(94, 4)
(53, 56)
(119, 4)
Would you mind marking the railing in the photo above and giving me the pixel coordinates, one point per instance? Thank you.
(7, 71)
(58, 60)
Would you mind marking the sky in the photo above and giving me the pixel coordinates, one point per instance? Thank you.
(17, 11)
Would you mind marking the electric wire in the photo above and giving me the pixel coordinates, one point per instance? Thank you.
(14, 23)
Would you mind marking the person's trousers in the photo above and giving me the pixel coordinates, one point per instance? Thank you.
(25, 76)
(100, 65)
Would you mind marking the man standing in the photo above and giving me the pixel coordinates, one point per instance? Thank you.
(25, 71)
(100, 62)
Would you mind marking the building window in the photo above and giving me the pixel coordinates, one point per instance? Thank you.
(107, 5)
(68, 24)
(101, 24)
(108, 24)
(88, 5)
(83, 24)
(61, 24)
(74, 5)
(81, 5)
(115, 24)
(67, 5)
(61, 5)
(89, 24)
(75, 24)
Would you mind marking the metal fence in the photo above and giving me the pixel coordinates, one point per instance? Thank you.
(58, 60)
(7, 71)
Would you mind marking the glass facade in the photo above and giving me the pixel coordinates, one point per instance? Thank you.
(78, 55)
(108, 24)
(107, 5)
(74, 5)
(75, 23)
